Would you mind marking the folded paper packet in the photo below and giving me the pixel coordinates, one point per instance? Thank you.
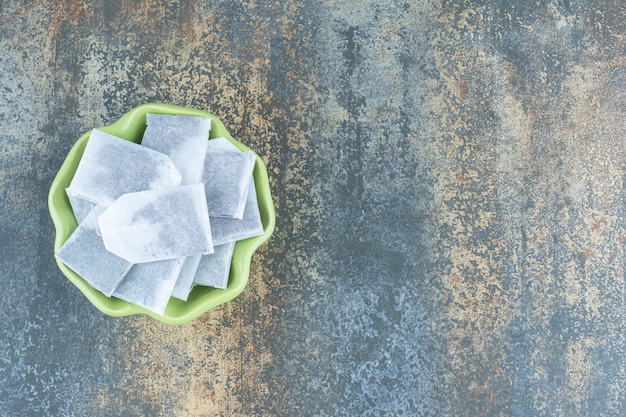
(150, 284)
(156, 225)
(226, 178)
(184, 283)
(85, 254)
(214, 269)
(225, 230)
(111, 166)
(184, 139)
(80, 207)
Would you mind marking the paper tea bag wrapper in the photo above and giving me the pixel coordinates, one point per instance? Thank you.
(111, 166)
(214, 269)
(184, 139)
(187, 274)
(149, 285)
(85, 254)
(156, 225)
(226, 180)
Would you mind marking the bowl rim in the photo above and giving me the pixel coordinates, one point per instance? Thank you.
(202, 299)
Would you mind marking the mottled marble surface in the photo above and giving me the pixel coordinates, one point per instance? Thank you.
(448, 178)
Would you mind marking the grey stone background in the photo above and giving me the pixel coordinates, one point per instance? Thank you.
(448, 178)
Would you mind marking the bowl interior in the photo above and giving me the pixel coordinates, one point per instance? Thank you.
(131, 127)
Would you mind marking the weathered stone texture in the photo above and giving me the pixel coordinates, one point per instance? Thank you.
(448, 178)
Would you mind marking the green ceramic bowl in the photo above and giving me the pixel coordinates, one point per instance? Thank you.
(131, 127)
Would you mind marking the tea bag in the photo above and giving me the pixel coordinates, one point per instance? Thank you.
(155, 225)
(112, 166)
(225, 230)
(226, 179)
(85, 254)
(222, 144)
(81, 207)
(214, 269)
(150, 284)
(229, 230)
(183, 138)
(185, 279)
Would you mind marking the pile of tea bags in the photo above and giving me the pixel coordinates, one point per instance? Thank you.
(156, 219)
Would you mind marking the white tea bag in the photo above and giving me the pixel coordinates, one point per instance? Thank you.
(112, 166)
(229, 230)
(214, 269)
(222, 144)
(155, 225)
(225, 230)
(81, 207)
(149, 285)
(185, 279)
(85, 254)
(183, 138)
(226, 180)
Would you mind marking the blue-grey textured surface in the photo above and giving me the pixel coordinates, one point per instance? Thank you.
(448, 178)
